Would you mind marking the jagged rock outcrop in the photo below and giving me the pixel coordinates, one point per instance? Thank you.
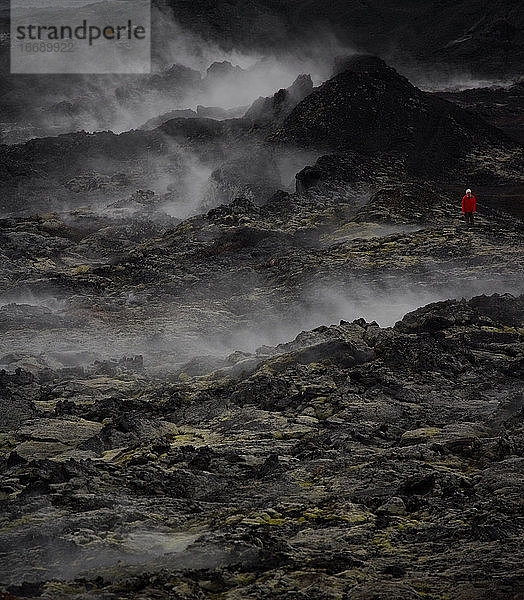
(164, 118)
(308, 178)
(174, 80)
(409, 203)
(275, 109)
(223, 70)
(254, 176)
(370, 109)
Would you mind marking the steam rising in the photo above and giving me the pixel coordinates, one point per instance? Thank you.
(191, 331)
(192, 71)
(186, 74)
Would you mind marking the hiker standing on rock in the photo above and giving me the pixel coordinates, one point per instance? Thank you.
(469, 206)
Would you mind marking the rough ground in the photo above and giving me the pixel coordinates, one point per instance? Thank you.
(353, 462)
(164, 432)
(500, 106)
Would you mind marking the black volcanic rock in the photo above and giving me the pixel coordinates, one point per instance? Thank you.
(499, 106)
(354, 451)
(370, 109)
(204, 112)
(254, 176)
(17, 395)
(355, 459)
(223, 70)
(164, 118)
(408, 203)
(294, 394)
(276, 108)
(371, 121)
(307, 178)
(42, 173)
(176, 80)
(484, 311)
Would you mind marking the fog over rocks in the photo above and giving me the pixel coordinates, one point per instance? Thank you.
(249, 348)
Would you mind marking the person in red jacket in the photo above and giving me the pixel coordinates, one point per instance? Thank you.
(469, 206)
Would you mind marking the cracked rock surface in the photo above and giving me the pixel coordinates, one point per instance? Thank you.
(351, 459)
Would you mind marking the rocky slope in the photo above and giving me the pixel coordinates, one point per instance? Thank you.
(499, 106)
(164, 431)
(353, 462)
(218, 280)
(368, 120)
(370, 109)
(273, 110)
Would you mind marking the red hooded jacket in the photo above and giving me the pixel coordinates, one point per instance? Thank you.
(469, 204)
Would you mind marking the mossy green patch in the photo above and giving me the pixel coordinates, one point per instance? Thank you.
(81, 269)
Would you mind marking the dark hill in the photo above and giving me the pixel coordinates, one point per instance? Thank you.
(369, 108)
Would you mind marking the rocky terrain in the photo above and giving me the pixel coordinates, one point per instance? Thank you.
(499, 106)
(182, 416)
(352, 462)
(461, 42)
(365, 121)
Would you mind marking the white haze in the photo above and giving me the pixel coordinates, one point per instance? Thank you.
(169, 342)
(263, 76)
(319, 305)
(385, 304)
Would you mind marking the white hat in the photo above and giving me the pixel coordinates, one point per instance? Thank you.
(468, 191)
